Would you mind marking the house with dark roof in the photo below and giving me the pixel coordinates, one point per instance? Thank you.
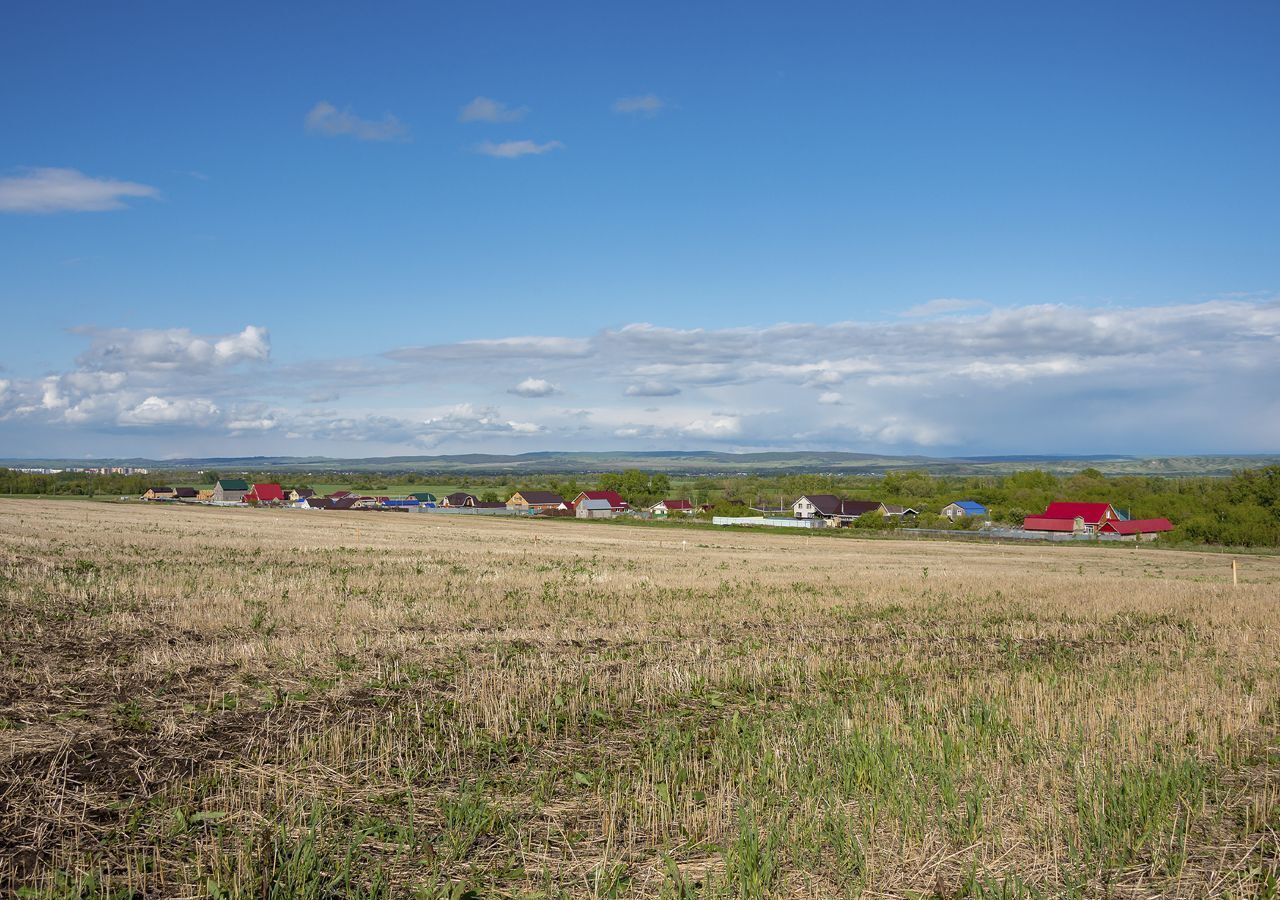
(488, 504)
(535, 501)
(230, 490)
(961, 509)
(836, 510)
(188, 494)
(460, 498)
(158, 493)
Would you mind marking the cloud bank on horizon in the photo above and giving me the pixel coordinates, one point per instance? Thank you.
(948, 377)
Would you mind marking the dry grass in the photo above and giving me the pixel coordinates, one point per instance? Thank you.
(199, 702)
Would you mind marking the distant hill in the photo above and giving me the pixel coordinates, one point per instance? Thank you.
(686, 462)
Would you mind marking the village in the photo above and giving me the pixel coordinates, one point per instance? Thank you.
(1061, 520)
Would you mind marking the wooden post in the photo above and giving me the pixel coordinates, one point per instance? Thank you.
(1235, 579)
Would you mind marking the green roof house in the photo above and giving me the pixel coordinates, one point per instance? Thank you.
(423, 496)
(230, 490)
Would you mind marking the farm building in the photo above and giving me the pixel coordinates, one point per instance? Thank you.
(616, 503)
(158, 493)
(230, 490)
(1136, 529)
(187, 494)
(1058, 525)
(593, 508)
(535, 501)
(665, 507)
(264, 493)
(204, 496)
(460, 498)
(961, 509)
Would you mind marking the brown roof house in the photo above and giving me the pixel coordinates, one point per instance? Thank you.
(835, 510)
(535, 501)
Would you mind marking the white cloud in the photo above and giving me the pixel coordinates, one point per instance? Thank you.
(127, 350)
(164, 411)
(516, 149)
(534, 387)
(651, 389)
(50, 190)
(326, 119)
(831, 398)
(486, 109)
(645, 104)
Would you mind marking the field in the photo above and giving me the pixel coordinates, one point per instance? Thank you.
(253, 703)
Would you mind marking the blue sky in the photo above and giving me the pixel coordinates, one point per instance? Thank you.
(927, 227)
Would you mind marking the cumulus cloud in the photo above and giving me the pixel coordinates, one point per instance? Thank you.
(486, 109)
(326, 119)
(516, 149)
(644, 104)
(127, 350)
(163, 411)
(534, 387)
(831, 398)
(50, 190)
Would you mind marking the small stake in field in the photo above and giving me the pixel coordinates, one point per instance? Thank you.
(1235, 579)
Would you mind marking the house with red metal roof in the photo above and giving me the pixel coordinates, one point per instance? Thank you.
(664, 507)
(1136, 529)
(1073, 525)
(1092, 514)
(264, 493)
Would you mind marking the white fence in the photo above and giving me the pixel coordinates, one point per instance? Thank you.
(768, 523)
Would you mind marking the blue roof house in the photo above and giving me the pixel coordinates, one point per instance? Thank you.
(962, 508)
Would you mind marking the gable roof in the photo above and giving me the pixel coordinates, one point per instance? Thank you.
(423, 496)
(1048, 523)
(1092, 513)
(972, 506)
(893, 509)
(674, 504)
(232, 484)
(614, 498)
(1136, 526)
(303, 493)
(159, 490)
(459, 498)
(541, 497)
(185, 492)
(594, 503)
(267, 492)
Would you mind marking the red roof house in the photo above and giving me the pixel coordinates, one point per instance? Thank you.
(265, 493)
(1135, 526)
(616, 503)
(1094, 514)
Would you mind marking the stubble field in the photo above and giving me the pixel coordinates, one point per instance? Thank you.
(236, 703)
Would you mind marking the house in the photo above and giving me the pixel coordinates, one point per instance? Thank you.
(186, 494)
(664, 507)
(535, 501)
(893, 510)
(264, 493)
(330, 503)
(1093, 514)
(424, 497)
(460, 498)
(338, 495)
(297, 495)
(616, 503)
(962, 508)
(593, 508)
(230, 490)
(158, 493)
(1136, 529)
(834, 509)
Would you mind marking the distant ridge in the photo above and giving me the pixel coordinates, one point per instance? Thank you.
(686, 462)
